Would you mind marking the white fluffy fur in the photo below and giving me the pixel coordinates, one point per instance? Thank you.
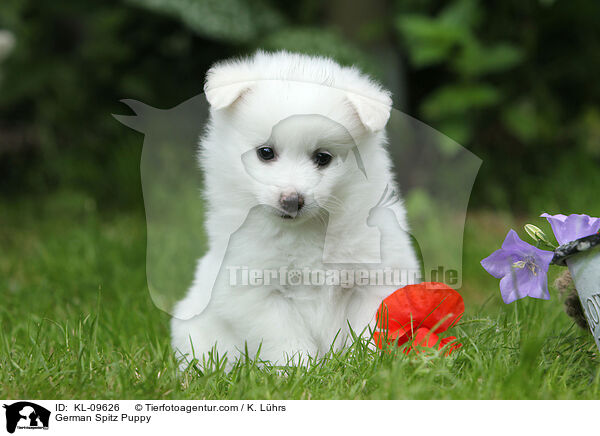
(252, 101)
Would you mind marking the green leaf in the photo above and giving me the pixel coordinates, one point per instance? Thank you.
(521, 119)
(459, 99)
(462, 13)
(455, 130)
(227, 20)
(428, 40)
(475, 59)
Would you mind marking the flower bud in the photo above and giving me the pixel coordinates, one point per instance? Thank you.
(536, 234)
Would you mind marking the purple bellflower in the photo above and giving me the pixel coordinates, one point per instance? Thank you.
(522, 268)
(569, 228)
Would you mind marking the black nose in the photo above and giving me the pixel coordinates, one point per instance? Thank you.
(291, 202)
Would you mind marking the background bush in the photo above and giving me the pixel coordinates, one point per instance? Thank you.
(514, 81)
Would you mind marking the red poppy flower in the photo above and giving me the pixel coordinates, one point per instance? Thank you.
(418, 313)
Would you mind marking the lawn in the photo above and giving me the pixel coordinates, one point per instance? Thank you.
(77, 321)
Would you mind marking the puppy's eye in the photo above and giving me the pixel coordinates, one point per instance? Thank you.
(322, 158)
(265, 153)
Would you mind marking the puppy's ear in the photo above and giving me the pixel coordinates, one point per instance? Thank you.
(373, 114)
(222, 96)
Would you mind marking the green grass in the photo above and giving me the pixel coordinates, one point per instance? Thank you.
(77, 321)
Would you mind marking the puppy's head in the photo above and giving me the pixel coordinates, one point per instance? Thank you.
(284, 128)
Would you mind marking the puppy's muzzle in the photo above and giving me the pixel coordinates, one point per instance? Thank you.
(291, 203)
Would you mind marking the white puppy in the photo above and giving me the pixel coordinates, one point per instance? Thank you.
(295, 162)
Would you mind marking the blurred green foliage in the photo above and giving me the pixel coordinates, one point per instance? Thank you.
(234, 21)
(513, 81)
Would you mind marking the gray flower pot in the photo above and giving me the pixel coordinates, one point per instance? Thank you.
(583, 259)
